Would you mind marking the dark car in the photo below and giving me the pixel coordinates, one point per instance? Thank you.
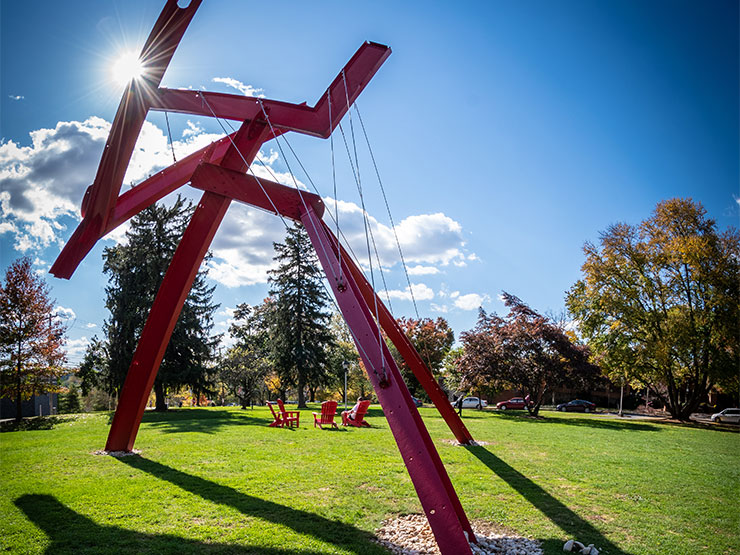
(417, 401)
(577, 405)
(515, 403)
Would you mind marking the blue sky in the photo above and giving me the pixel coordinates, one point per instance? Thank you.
(506, 133)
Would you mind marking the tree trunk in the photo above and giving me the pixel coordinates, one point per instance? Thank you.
(301, 392)
(160, 404)
(18, 396)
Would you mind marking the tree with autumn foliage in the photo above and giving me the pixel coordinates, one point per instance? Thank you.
(31, 339)
(432, 339)
(524, 351)
(659, 304)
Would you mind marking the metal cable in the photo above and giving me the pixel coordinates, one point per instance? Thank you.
(247, 164)
(295, 182)
(364, 210)
(169, 133)
(388, 208)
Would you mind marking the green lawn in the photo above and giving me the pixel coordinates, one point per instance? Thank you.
(219, 480)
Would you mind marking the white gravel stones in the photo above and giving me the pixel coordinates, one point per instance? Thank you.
(118, 454)
(411, 535)
(578, 547)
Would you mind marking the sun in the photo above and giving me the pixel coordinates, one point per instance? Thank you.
(127, 67)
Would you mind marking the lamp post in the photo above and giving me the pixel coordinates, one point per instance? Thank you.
(345, 365)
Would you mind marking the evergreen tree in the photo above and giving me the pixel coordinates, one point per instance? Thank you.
(94, 369)
(136, 270)
(31, 354)
(299, 326)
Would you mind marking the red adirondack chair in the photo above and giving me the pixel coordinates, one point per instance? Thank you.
(277, 417)
(290, 418)
(356, 418)
(326, 418)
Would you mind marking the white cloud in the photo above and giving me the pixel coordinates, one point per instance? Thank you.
(471, 301)
(192, 129)
(422, 270)
(422, 292)
(45, 181)
(42, 182)
(76, 347)
(65, 313)
(426, 239)
(242, 248)
(246, 90)
(90, 325)
(442, 309)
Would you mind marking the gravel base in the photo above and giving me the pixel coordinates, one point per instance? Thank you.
(411, 535)
(118, 454)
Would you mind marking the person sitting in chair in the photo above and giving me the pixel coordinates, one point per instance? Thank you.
(351, 413)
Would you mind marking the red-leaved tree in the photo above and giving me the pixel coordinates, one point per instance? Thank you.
(524, 351)
(432, 339)
(31, 338)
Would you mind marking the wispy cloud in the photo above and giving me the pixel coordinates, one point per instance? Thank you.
(423, 270)
(246, 90)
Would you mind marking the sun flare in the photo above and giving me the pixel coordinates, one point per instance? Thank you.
(126, 68)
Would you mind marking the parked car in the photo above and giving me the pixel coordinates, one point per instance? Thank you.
(727, 415)
(576, 405)
(472, 403)
(417, 401)
(515, 403)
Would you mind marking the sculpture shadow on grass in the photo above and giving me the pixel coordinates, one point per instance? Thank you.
(73, 533)
(332, 532)
(573, 525)
(205, 421)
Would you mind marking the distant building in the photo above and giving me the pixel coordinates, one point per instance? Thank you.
(38, 405)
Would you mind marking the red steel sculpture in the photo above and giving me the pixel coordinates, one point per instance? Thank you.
(219, 170)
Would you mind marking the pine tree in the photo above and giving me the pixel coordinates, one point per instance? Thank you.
(31, 340)
(299, 326)
(136, 270)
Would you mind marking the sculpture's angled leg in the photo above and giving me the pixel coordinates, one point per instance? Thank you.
(406, 349)
(162, 318)
(172, 294)
(422, 461)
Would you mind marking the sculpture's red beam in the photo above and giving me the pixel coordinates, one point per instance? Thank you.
(343, 91)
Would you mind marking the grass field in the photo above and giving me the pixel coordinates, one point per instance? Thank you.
(219, 480)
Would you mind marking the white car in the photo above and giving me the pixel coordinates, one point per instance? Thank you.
(472, 403)
(727, 415)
